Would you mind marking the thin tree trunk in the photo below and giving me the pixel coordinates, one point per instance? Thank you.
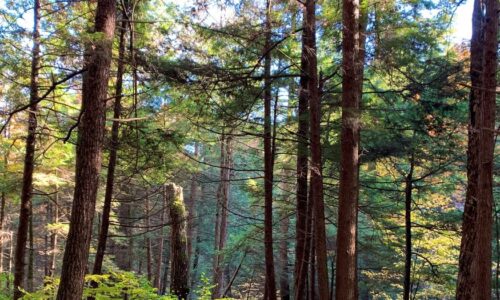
(301, 249)
(149, 255)
(268, 164)
(465, 281)
(408, 237)
(161, 239)
(88, 153)
(283, 254)
(481, 267)
(191, 208)
(346, 281)
(2, 218)
(113, 153)
(223, 194)
(29, 160)
(179, 285)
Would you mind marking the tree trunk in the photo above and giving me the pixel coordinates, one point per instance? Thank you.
(110, 178)
(223, 194)
(316, 181)
(301, 249)
(29, 160)
(2, 217)
(88, 153)
(149, 255)
(191, 208)
(31, 254)
(268, 164)
(346, 281)
(53, 236)
(408, 254)
(179, 285)
(481, 267)
(283, 252)
(161, 238)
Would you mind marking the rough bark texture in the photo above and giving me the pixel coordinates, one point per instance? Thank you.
(113, 151)
(88, 153)
(223, 194)
(179, 284)
(316, 181)
(29, 160)
(161, 240)
(481, 266)
(301, 249)
(268, 164)
(346, 281)
(465, 281)
(408, 202)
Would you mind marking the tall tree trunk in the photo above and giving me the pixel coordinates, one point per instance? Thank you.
(268, 164)
(481, 267)
(465, 281)
(88, 153)
(301, 248)
(29, 160)
(191, 208)
(346, 281)
(223, 195)
(316, 188)
(161, 240)
(408, 237)
(113, 151)
(179, 285)
(283, 254)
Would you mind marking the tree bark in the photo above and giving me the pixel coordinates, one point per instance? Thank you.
(268, 163)
(316, 181)
(191, 207)
(408, 237)
(88, 153)
(465, 282)
(113, 153)
(481, 266)
(29, 160)
(346, 281)
(161, 240)
(223, 194)
(283, 254)
(303, 211)
(179, 285)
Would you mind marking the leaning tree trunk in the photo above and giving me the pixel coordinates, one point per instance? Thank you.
(88, 152)
(270, 287)
(465, 282)
(302, 235)
(481, 266)
(110, 179)
(29, 160)
(346, 281)
(179, 284)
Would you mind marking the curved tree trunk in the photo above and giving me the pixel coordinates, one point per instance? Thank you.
(29, 161)
(88, 153)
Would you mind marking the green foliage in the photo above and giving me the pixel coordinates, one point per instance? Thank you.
(110, 286)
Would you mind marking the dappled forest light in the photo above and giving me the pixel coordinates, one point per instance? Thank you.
(238, 149)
